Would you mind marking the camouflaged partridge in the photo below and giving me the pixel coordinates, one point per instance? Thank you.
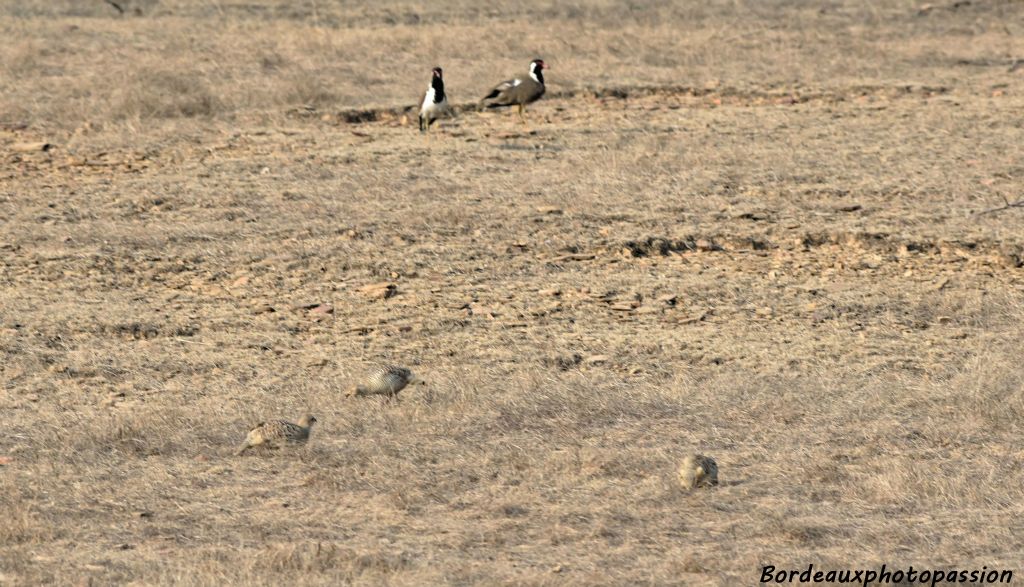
(387, 380)
(698, 470)
(278, 433)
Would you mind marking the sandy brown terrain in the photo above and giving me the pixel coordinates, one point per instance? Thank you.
(751, 229)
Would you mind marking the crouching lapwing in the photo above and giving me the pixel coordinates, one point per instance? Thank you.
(518, 91)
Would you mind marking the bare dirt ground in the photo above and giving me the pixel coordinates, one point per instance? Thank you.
(749, 229)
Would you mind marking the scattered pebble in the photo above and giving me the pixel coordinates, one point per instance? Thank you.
(379, 291)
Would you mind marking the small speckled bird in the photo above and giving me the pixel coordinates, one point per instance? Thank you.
(276, 433)
(698, 470)
(387, 380)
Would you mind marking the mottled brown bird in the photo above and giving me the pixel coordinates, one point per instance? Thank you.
(518, 91)
(387, 381)
(277, 433)
(697, 470)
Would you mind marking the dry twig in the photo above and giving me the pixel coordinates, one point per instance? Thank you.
(115, 5)
(1007, 204)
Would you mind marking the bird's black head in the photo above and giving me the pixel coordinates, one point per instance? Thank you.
(537, 68)
(437, 82)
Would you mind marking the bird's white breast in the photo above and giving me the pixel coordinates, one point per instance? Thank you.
(430, 107)
(428, 100)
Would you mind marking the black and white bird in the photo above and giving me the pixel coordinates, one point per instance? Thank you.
(518, 91)
(434, 103)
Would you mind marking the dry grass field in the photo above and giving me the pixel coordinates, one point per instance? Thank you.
(747, 228)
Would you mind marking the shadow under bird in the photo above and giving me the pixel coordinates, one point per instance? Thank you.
(387, 381)
(434, 103)
(278, 433)
(518, 91)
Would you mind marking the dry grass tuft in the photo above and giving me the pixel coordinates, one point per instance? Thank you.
(317, 558)
(165, 94)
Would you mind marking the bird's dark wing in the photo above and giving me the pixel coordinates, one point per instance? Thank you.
(502, 87)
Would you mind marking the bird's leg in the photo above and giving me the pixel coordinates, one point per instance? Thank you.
(422, 129)
(522, 113)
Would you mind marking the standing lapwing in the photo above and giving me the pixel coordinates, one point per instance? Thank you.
(277, 433)
(518, 91)
(434, 103)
